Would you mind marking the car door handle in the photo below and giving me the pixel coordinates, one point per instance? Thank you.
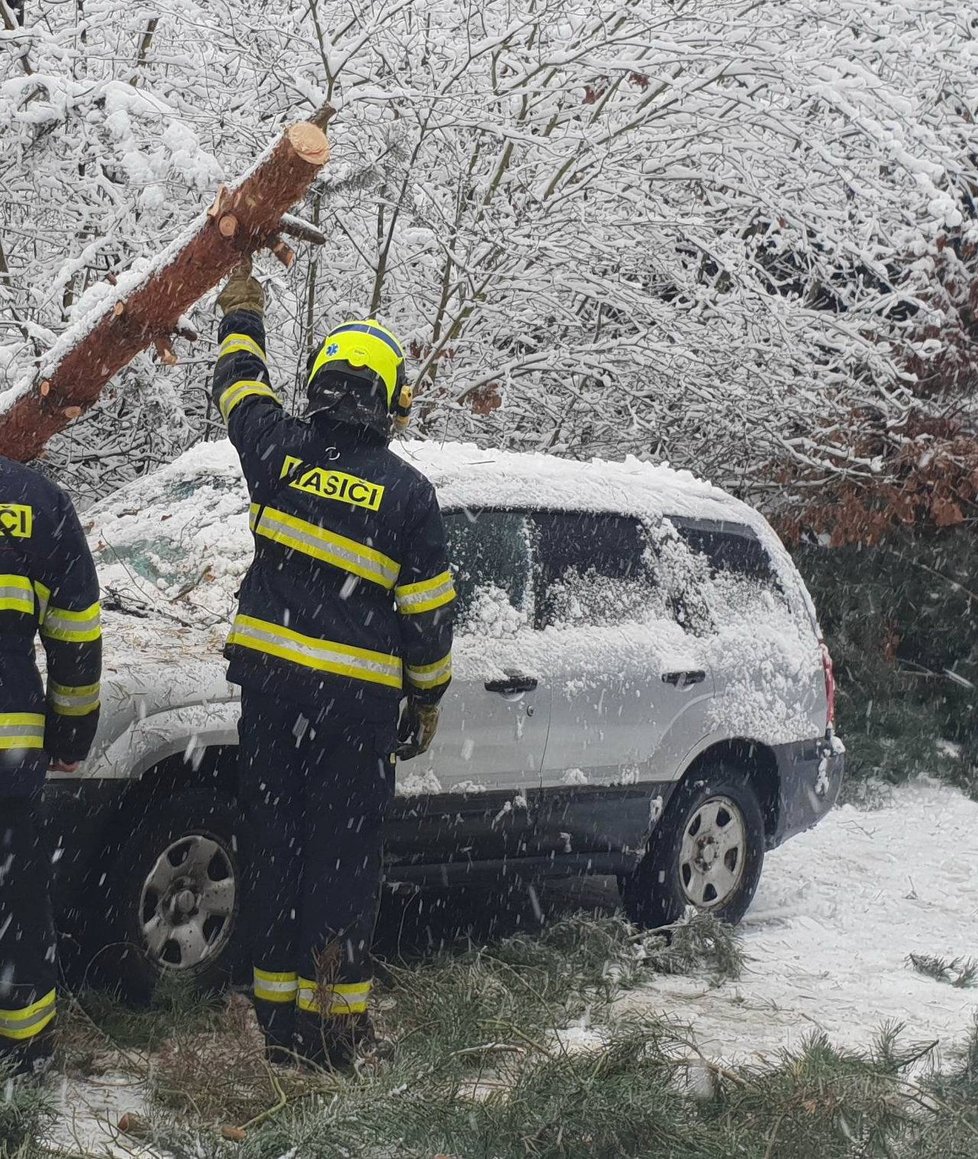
(681, 679)
(511, 684)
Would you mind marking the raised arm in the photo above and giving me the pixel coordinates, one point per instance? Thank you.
(241, 388)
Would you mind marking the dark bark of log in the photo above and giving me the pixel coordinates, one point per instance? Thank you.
(242, 220)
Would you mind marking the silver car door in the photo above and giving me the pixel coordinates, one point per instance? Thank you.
(496, 712)
(625, 674)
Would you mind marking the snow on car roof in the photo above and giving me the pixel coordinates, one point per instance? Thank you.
(179, 538)
(468, 476)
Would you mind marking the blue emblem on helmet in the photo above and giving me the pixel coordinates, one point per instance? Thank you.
(333, 348)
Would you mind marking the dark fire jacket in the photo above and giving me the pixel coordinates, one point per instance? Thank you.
(349, 593)
(48, 584)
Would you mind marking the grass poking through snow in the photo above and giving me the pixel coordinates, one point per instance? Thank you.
(517, 1051)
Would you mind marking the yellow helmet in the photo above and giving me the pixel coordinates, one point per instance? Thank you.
(364, 346)
(358, 374)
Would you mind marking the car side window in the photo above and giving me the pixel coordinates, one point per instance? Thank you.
(489, 552)
(593, 568)
(729, 547)
(720, 573)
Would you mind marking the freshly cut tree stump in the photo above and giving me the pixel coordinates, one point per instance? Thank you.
(146, 309)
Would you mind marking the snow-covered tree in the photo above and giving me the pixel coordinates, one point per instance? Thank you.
(706, 231)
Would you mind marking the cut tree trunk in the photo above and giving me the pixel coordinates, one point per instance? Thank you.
(145, 309)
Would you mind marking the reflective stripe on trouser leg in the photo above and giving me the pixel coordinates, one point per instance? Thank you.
(17, 1024)
(276, 986)
(333, 1000)
(28, 950)
(275, 992)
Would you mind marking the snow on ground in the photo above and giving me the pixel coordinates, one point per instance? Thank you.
(88, 1115)
(838, 911)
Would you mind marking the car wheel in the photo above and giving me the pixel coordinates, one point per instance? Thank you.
(707, 852)
(174, 896)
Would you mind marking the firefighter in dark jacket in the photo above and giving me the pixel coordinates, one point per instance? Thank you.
(345, 610)
(47, 584)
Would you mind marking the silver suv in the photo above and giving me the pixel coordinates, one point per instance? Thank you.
(640, 690)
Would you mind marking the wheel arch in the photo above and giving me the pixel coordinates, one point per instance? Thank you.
(759, 763)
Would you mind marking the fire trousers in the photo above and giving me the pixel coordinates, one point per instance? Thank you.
(28, 949)
(315, 791)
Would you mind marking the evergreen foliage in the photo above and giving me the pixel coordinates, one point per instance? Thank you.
(961, 973)
(485, 1067)
(25, 1109)
(900, 620)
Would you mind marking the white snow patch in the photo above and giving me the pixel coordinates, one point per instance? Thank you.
(838, 911)
(88, 1111)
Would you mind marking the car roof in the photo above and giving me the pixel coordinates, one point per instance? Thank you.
(467, 476)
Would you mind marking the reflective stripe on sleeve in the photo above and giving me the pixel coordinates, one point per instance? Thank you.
(346, 554)
(341, 998)
(320, 655)
(235, 342)
(16, 594)
(239, 391)
(21, 730)
(426, 595)
(72, 627)
(274, 986)
(68, 700)
(27, 1021)
(43, 593)
(427, 676)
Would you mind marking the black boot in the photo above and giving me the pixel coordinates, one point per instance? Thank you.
(277, 1021)
(335, 1043)
(32, 1058)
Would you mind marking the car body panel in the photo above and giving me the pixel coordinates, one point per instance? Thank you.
(583, 761)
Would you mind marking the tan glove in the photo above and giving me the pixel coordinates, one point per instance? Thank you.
(417, 730)
(242, 292)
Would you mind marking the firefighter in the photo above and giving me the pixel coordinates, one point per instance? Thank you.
(47, 584)
(345, 610)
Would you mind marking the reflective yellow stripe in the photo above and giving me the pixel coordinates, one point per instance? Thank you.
(426, 595)
(68, 700)
(275, 986)
(430, 675)
(320, 655)
(16, 594)
(21, 730)
(235, 342)
(27, 1021)
(342, 998)
(72, 627)
(43, 593)
(309, 538)
(239, 391)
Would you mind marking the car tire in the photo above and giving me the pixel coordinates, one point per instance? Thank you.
(707, 851)
(174, 896)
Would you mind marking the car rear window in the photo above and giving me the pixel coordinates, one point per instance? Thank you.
(729, 547)
(720, 574)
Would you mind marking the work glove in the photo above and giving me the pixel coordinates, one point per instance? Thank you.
(417, 729)
(242, 292)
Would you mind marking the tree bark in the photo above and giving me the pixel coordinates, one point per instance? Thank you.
(146, 309)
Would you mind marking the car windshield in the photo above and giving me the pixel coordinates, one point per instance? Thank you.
(185, 539)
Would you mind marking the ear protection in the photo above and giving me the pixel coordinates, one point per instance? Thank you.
(401, 410)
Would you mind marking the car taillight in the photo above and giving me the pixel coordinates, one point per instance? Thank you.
(829, 671)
